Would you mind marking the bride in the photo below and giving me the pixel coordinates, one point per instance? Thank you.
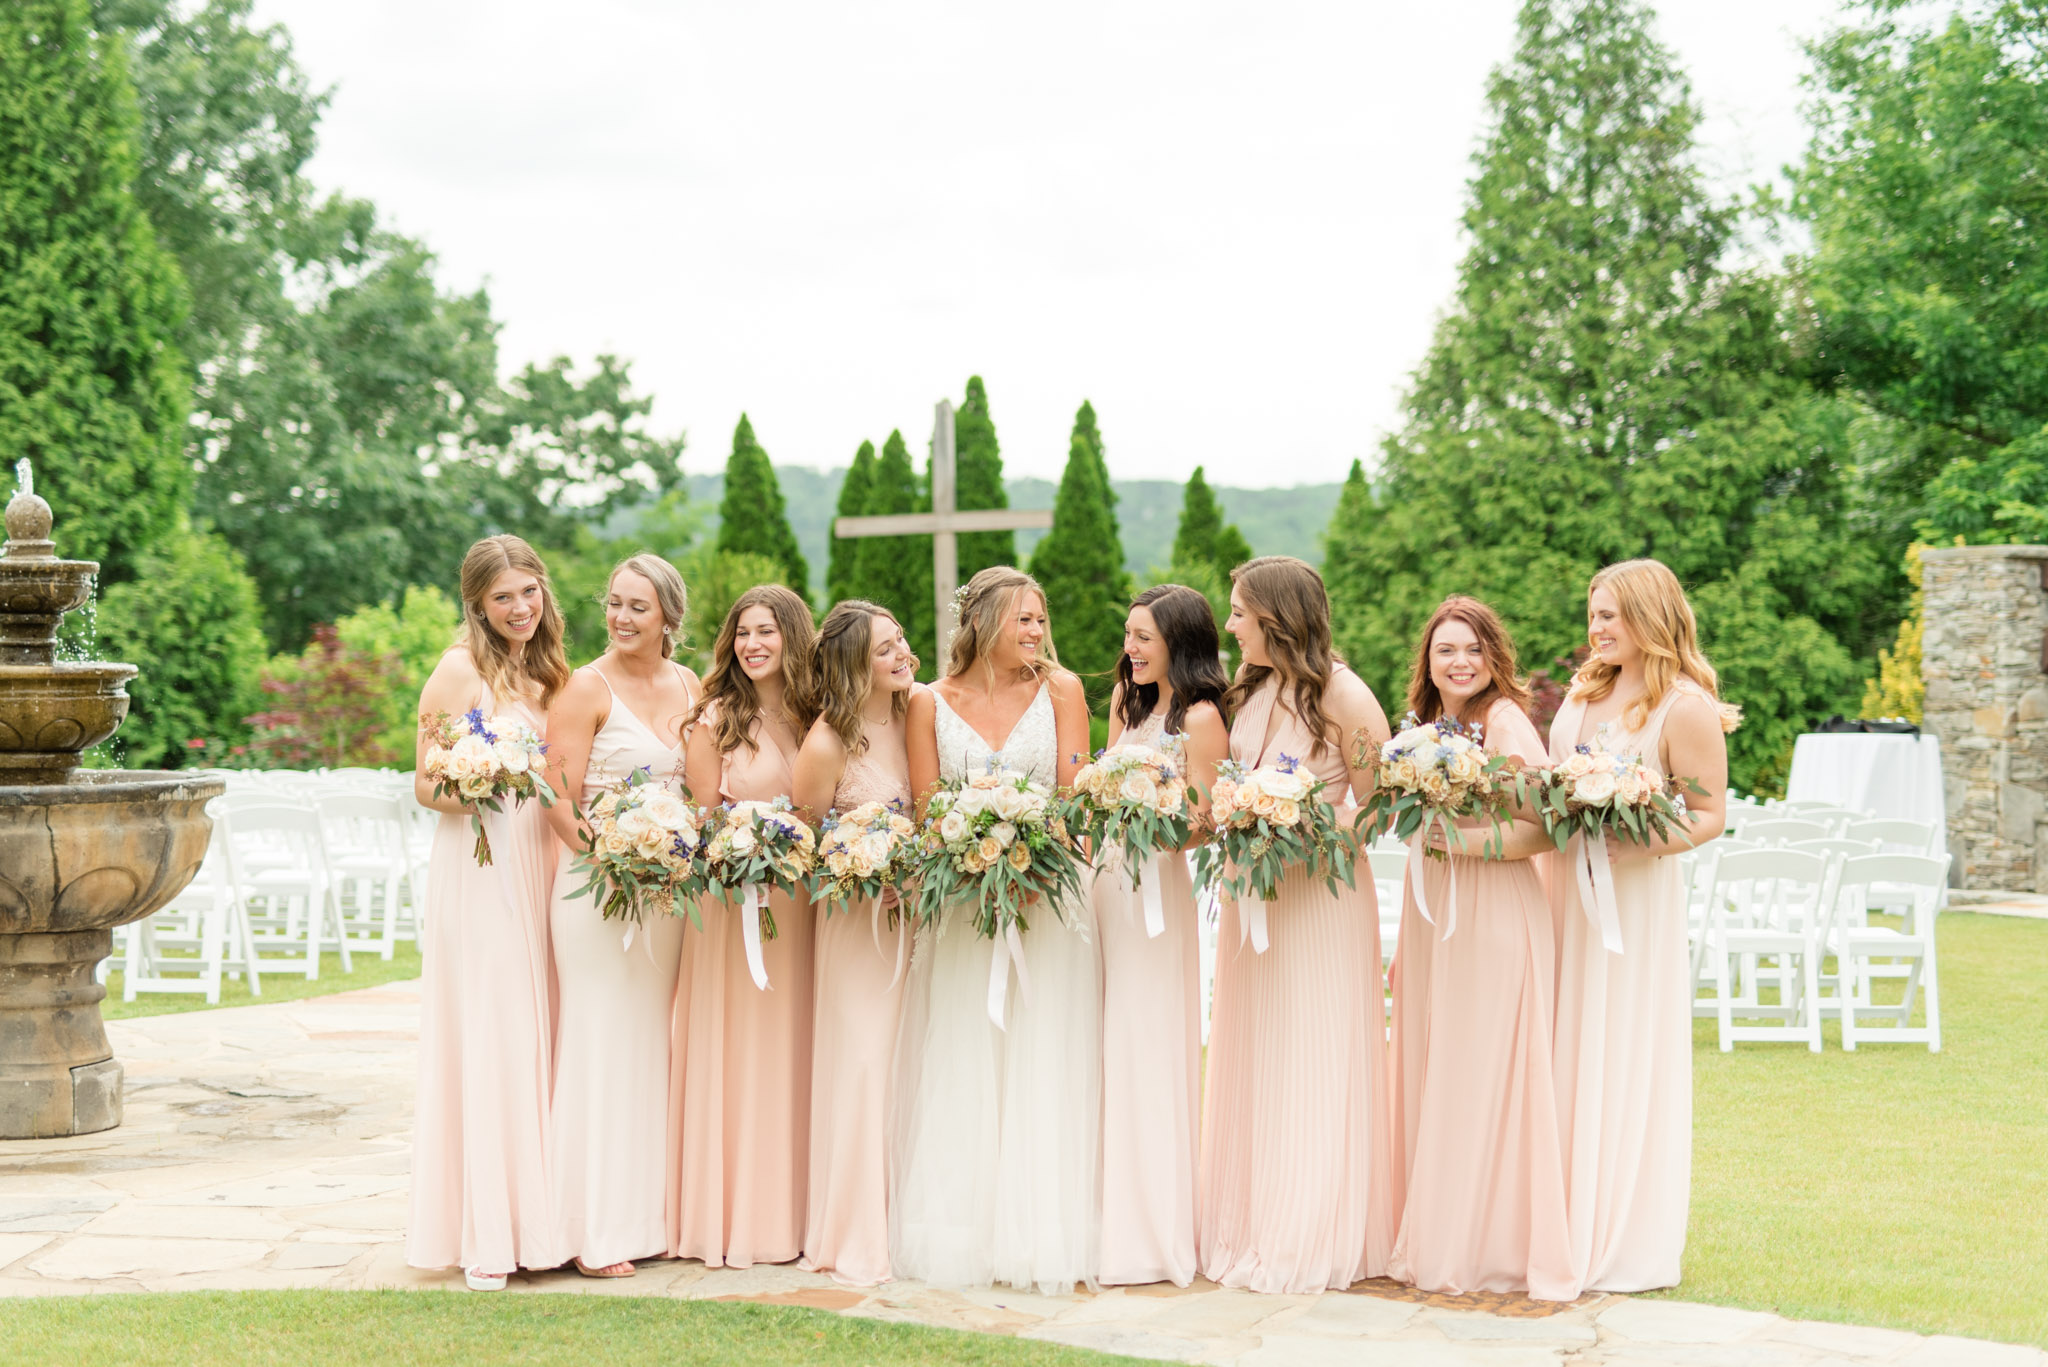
(997, 1133)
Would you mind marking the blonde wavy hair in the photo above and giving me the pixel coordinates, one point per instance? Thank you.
(1293, 608)
(1654, 609)
(727, 686)
(544, 661)
(985, 606)
(670, 592)
(845, 670)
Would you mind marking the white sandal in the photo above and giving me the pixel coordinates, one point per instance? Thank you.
(483, 1281)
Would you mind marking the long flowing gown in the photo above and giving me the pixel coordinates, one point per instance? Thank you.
(1151, 1066)
(609, 1119)
(1298, 1188)
(740, 1085)
(1624, 1049)
(997, 1156)
(480, 1195)
(859, 1000)
(1475, 1106)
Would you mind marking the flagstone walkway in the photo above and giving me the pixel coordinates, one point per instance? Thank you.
(266, 1147)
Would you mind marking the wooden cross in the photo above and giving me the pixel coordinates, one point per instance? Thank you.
(943, 524)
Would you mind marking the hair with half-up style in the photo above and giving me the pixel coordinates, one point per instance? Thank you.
(543, 659)
(1293, 610)
(671, 594)
(1654, 608)
(1194, 663)
(986, 604)
(727, 686)
(1495, 647)
(845, 672)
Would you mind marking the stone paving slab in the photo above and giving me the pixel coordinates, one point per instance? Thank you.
(267, 1147)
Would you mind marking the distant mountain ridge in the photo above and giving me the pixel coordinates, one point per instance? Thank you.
(1275, 521)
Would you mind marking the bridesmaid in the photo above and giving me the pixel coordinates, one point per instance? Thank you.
(740, 1085)
(1476, 1113)
(608, 1123)
(855, 753)
(480, 1196)
(1624, 1018)
(1170, 681)
(1297, 1184)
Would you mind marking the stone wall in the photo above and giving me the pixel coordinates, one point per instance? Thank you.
(1982, 658)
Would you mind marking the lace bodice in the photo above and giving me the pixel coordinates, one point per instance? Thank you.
(880, 773)
(1150, 731)
(1033, 745)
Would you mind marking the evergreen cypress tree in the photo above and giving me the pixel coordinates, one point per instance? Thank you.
(844, 552)
(1203, 535)
(1081, 564)
(896, 571)
(92, 388)
(1598, 389)
(753, 519)
(978, 467)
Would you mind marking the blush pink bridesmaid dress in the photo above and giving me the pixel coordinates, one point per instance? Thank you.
(1624, 1048)
(480, 1192)
(609, 1119)
(1475, 1107)
(861, 964)
(740, 1084)
(1151, 1068)
(1298, 1189)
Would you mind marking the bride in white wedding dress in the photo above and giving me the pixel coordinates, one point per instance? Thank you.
(996, 1155)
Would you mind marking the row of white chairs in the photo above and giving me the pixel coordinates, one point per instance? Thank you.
(299, 865)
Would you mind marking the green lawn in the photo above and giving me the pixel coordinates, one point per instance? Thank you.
(433, 1328)
(1890, 1186)
(279, 985)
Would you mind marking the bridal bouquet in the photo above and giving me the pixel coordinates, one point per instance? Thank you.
(998, 841)
(1430, 775)
(1269, 820)
(481, 761)
(758, 846)
(1597, 792)
(642, 851)
(1134, 797)
(862, 853)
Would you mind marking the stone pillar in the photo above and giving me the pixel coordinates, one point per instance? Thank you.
(1984, 658)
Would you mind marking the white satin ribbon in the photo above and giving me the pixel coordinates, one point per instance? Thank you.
(902, 944)
(1251, 923)
(750, 931)
(1009, 948)
(1596, 888)
(1417, 852)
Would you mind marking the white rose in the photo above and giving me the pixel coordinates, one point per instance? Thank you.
(634, 823)
(1009, 804)
(1595, 787)
(1034, 807)
(1287, 787)
(665, 808)
(741, 841)
(1005, 833)
(470, 758)
(511, 756)
(952, 828)
(875, 847)
(1138, 787)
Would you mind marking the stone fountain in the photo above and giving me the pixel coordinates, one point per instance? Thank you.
(81, 850)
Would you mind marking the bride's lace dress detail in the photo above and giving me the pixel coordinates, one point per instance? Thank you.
(997, 1143)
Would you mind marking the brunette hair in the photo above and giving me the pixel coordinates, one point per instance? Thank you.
(985, 605)
(732, 692)
(845, 673)
(1654, 608)
(670, 592)
(1504, 673)
(1194, 665)
(543, 660)
(1288, 598)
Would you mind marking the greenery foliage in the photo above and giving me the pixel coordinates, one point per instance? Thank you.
(1899, 690)
(844, 552)
(189, 622)
(753, 520)
(1203, 535)
(92, 388)
(896, 571)
(978, 481)
(1080, 564)
(328, 707)
(415, 632)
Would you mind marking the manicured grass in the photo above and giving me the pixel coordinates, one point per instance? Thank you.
(456, 1329)
(1890, 1186)
(280, 984)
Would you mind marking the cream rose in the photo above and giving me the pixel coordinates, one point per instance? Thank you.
(1004, 833)
(1595, 787)
(1139, 788)
(742, 841)
(1286, 813)
(952, 828)
(989, 849)
(1020, 857)
(1576, 765)
(511, 756)
(614, 844)
(634, 823)
(875, 848)
(1288, 787)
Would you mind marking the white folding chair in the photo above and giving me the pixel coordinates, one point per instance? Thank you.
(1896, 835)
(1867, 953)
(1768, 905)
(368, 863)
(199, 935)
(1389, 865)
(293, 888)
(1783, 830)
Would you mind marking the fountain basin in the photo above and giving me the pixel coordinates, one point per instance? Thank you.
(34, 596)
(49, 713)
(109, 847)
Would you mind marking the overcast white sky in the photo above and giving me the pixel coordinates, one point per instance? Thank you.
(1231, 227)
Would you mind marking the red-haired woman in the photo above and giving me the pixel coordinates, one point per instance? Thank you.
(1475, 1110)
